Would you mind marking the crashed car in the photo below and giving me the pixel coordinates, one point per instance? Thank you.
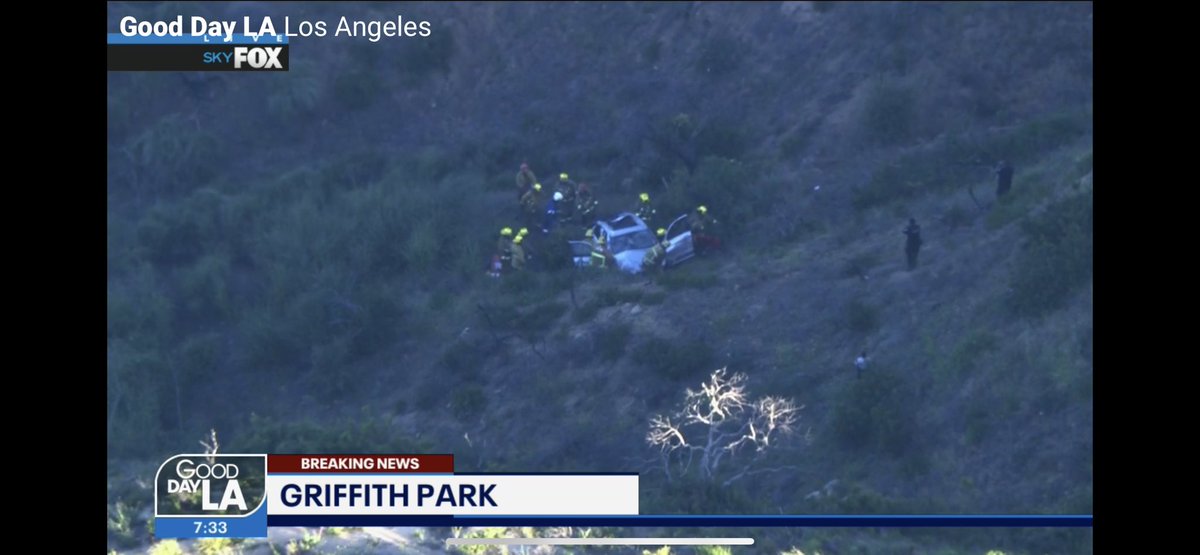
(628, 238)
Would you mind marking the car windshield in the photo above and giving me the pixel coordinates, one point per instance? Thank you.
(622, 223)
(641, 239)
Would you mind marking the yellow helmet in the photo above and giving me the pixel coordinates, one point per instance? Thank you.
(662, 232)
(703, 209)
(506, 232)
(645, 197)
(600, 239)
(523, 232)
(562, 177)
(588, 233)
(517, 240)
(537, 186)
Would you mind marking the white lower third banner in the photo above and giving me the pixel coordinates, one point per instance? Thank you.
(452, 494)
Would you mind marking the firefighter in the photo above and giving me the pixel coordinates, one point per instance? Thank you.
(599, 252)
(644, 210)
(518, 254)
(702, 227)
(653, 261)
(504, 240)
(531, 201)
(525, 179)
(566, 208)
(585, 204)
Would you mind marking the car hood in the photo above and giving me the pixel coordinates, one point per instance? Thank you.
(630, 261)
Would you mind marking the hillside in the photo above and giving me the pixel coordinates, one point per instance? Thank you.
(297, 260)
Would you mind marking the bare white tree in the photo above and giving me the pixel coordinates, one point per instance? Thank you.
(715, 423)
(211, 446)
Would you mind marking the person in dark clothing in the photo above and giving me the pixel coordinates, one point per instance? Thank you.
(913, 245)
(550, 221)
(860, 364)
(1004, 175)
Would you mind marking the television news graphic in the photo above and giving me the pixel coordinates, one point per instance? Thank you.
(239, 496)
(237, 52)
(211, 496)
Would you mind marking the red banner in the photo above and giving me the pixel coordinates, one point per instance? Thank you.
(382, 464)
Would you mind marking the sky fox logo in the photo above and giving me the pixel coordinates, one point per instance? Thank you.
(247, 57)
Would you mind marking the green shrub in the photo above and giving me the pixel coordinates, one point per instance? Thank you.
(966, 354)
(652, 51)
(199, 355)
(332, 378)
(1057, 259)
(978, 424)
(554, 253)
(539, 318)
(120, 525)
(650, 298)
(166, 547)
(611, 340)
(1034, 139)
(138, 399)
(586, 311)
(462, 359)
(217, 546)
(204, 287)
(1012, 207)
(691, 494)
(722, 139)
(956, 216)
(357, 89)
(823, 6)
(960, 160)
(905, 178)
(875, 411)
(862, 317)
(860, 264)
(1083, 166)
(265, 341)
(365, 434)
(377, 323)
(720, 55)
(674, 361)
(421, 247)
(140, 312)
(417, 59)
(795, 143)
(295, 93)
(687, 278)
(173, 155)
(432, 163)
(356, 169)
(730, 190)
(167, 237)
(610, 296)
(860, 499)
(467, 401)
(889, 113)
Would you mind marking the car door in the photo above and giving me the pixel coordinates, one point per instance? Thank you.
(597, 233)
(581, 253)
(679, 239)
